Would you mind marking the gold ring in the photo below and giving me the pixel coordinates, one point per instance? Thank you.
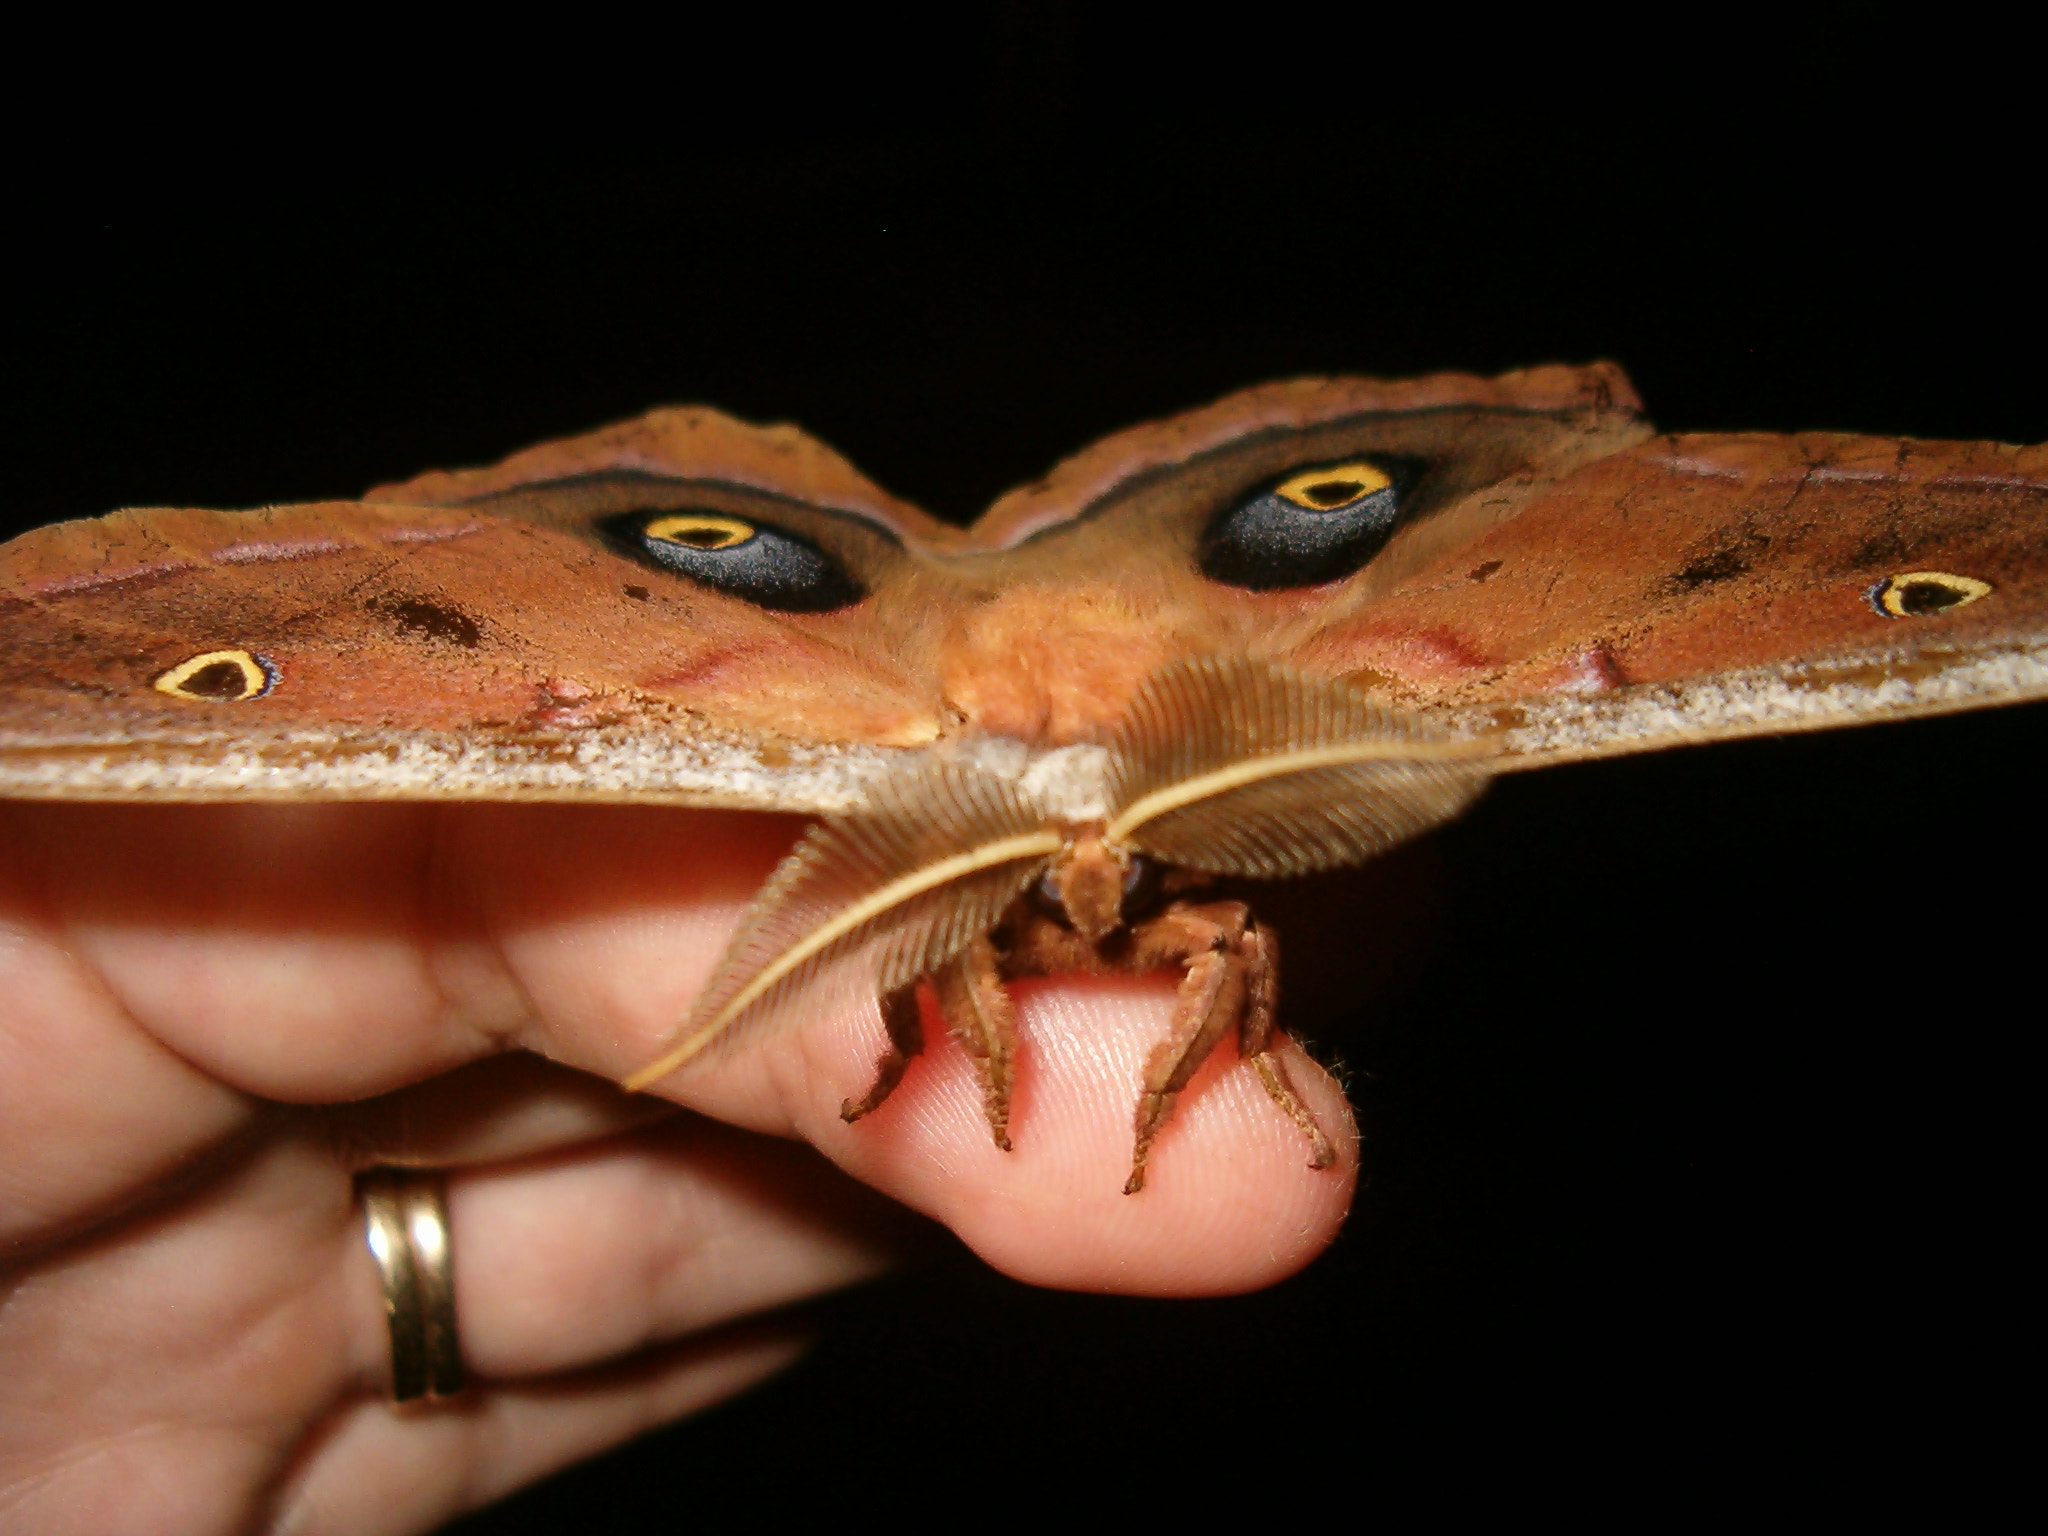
(406, 1213)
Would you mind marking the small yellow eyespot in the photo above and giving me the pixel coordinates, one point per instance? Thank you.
(1917, 594)
(699, 530)
(217, 677)
(1334, 486)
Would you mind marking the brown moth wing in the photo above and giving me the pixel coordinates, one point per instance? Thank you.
(687, 443)
(1703, 587)
(1565, 584)
(497, 649)
(1092, 573)
(1595, 398)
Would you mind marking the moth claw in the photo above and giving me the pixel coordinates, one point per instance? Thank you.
(900, 1016)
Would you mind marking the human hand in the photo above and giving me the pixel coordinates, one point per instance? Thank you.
(215, 1017)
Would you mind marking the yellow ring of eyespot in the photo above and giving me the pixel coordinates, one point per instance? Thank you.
(1363, 480)
(1962, 590)
(255, 680)
(699, 530)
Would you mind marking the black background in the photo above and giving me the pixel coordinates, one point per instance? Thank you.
(1696, 1141)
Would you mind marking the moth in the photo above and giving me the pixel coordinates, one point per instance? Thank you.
(1277, 634)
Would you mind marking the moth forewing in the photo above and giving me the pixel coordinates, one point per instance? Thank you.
(1236, 766)
(868, 903)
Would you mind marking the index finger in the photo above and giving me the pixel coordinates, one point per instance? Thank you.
(321, 953)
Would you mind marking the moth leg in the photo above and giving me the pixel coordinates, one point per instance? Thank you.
(905, 1023)
(980, 1015)
(1255, 1037)
(1212, 998)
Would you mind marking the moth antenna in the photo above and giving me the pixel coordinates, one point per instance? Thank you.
(870, 902)
(1243, 767)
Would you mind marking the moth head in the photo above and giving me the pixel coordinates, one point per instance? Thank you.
(1097, 885)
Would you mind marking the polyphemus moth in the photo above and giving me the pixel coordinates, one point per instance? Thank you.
(1276, 634)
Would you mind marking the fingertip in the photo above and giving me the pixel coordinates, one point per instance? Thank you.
(1230, 1201)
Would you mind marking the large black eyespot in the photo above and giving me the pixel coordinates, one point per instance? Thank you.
(1314, 526)
(764, 565)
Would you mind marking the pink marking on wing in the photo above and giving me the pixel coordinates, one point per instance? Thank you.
(1426, 656)
(568, 716)
(58, 585)
(705, 668)
(415, 534)
(1593, 670)
(564, 703)
(255, 551)
(1689, 464)
(1988, 482)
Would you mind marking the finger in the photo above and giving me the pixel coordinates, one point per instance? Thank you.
(1231, 1201)
(378, 1470)
(253, 939)
(326, 952)
(156, 1371)
(1243, 1209)
(93, 1111)
(563, 1262)
(1230, 1204)
(173, 1360)
(158, 959)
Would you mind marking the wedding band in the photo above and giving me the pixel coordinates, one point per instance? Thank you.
(405, 1212)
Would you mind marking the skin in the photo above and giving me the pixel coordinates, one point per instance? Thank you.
(214, 1016)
